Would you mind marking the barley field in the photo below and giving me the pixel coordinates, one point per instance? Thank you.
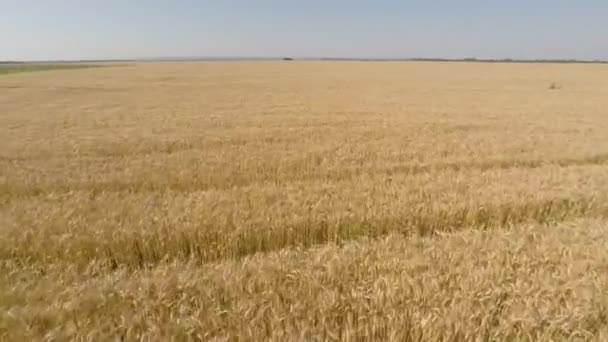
(305, 201)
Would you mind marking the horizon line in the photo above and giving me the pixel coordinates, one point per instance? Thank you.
(290, 58)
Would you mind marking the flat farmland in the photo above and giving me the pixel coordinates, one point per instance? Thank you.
(305, 201)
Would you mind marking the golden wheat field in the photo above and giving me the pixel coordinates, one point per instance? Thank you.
(305, 201)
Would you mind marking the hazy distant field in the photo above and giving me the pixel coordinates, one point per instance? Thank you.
(305, 200)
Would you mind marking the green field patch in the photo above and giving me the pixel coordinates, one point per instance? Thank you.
(15, 68)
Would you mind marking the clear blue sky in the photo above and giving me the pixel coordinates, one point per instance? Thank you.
(91, 29)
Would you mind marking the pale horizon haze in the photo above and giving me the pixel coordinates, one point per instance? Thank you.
(111, 29)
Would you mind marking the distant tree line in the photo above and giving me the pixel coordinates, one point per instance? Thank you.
(470, 60)
(508, 60)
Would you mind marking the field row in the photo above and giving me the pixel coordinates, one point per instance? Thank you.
(23, 180)
(142, 228)
(531, 282)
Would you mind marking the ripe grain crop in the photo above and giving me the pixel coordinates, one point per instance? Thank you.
(304, 200)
